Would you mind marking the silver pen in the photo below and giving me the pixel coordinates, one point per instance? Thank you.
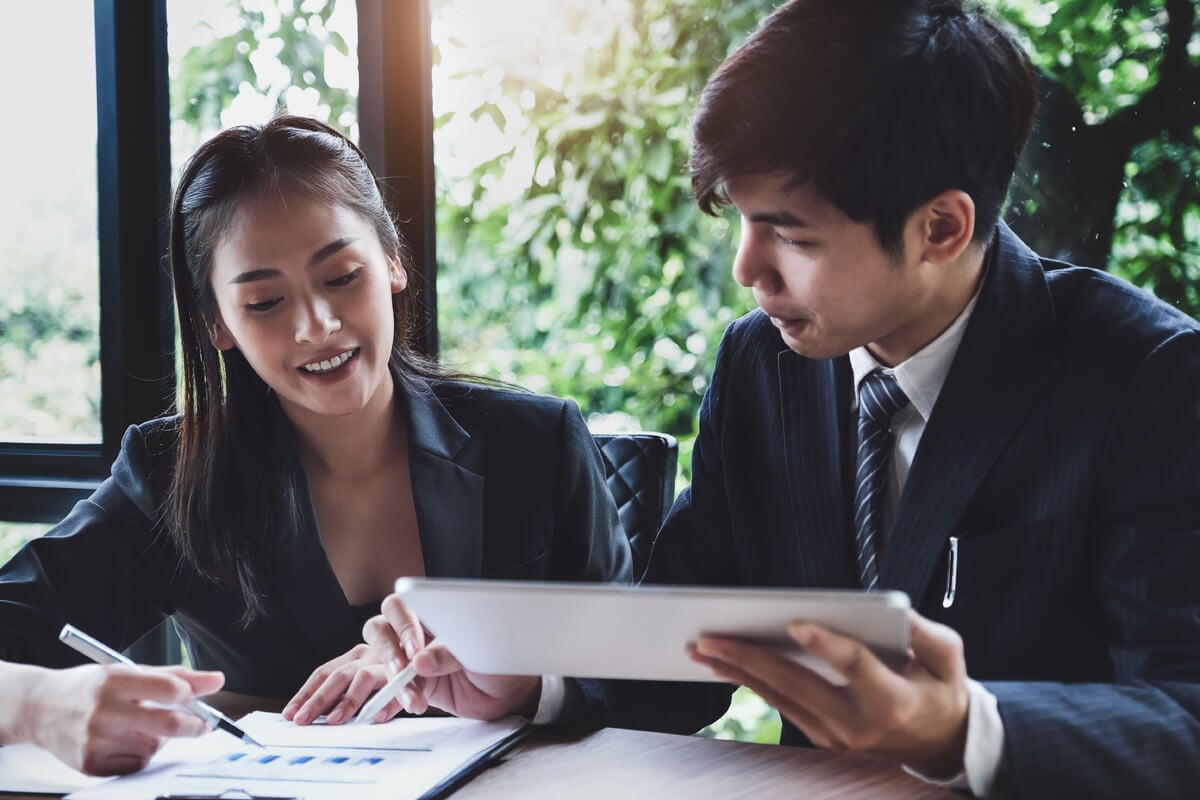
(951, 573)
(103, 654)
(385, 695)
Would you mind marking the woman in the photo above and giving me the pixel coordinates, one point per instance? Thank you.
(315, 458)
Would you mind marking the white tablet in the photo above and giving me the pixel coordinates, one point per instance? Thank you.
(589, 630)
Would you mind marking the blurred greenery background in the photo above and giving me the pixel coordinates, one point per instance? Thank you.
(571, 257)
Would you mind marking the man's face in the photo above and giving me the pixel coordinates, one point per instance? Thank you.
(823, 279)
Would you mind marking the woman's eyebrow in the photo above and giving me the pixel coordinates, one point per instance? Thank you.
(317, 257)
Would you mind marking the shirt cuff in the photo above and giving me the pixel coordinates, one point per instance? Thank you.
(552, 701)
(983, 754)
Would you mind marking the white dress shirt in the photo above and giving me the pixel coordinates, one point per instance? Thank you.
(921, 378)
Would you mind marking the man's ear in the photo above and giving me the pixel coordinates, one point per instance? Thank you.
(397, 275)
(219, 335)
(946, 225)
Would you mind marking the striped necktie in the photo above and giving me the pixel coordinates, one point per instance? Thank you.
(879, 398)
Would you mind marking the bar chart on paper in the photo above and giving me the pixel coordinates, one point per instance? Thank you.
(399, 759)
(330, 765)
(347, 755)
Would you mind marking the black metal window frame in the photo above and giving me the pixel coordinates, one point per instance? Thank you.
(39, 482)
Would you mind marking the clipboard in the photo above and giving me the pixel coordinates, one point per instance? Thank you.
(409, 758)
(638, 632)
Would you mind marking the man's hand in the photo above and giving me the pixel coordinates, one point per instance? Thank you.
(917, 716)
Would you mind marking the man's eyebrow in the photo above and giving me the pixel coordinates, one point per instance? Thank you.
(780, 219)
(320, 255)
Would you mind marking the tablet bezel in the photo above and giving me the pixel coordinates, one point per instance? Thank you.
(596, 630)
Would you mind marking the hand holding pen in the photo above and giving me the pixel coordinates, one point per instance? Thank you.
(103, 654)
(104, 720)
(408, 672)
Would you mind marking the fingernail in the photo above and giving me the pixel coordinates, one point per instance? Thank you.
(410, 648)
(301, 718)
(335, 717)
(394, 666)
(803, 634)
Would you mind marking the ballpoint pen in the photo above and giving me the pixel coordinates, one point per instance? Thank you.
(389, 691)
(103, 654)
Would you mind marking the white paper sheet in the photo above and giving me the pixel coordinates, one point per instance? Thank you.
(25, 769)
(403, 758)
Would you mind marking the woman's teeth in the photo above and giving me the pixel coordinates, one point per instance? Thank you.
(329, 365)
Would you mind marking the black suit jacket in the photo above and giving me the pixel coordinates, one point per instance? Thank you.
(1063, 452)
(506, 485)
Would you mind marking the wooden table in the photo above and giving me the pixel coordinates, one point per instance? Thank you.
(633, 764)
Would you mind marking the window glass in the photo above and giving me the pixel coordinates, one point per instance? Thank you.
(571, 257)
(49, 263)
(234, 63)
(13, 535)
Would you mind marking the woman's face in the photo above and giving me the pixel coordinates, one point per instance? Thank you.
(304, 291)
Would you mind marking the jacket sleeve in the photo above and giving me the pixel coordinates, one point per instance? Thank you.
(590, 544)
(102, 569)
(1138, 736)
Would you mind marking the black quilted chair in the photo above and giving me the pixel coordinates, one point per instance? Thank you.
(640, 468)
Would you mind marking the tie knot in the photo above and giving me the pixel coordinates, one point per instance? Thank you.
(880, 397)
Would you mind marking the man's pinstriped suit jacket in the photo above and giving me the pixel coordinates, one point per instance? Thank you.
(1063, 452)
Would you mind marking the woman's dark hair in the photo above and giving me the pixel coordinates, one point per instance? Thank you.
(880, 106)
(232, 495)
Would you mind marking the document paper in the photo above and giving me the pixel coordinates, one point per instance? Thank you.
(403, 758)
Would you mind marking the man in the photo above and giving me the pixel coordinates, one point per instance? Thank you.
(1013, 442)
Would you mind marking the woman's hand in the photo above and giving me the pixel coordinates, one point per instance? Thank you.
(396, 637)
(107, 720)
(338, 688)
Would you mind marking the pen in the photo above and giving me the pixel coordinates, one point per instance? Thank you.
(389, 691)
(951, 573)
(103, 654)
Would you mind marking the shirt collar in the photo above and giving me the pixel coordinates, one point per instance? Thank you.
(922, 375)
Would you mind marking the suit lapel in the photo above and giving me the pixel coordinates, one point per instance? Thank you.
(814, 405)
(448, 495)
(449, 506)
(997, 375)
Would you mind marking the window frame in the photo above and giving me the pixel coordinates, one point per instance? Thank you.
(39, 482)
(395, 123)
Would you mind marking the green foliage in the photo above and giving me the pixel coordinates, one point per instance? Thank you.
(13, 535)
(749, 719)
(1105, 52)
(49, 332)
(1158, 223)
(272, 50)
(600, 280)
(1134, 121)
